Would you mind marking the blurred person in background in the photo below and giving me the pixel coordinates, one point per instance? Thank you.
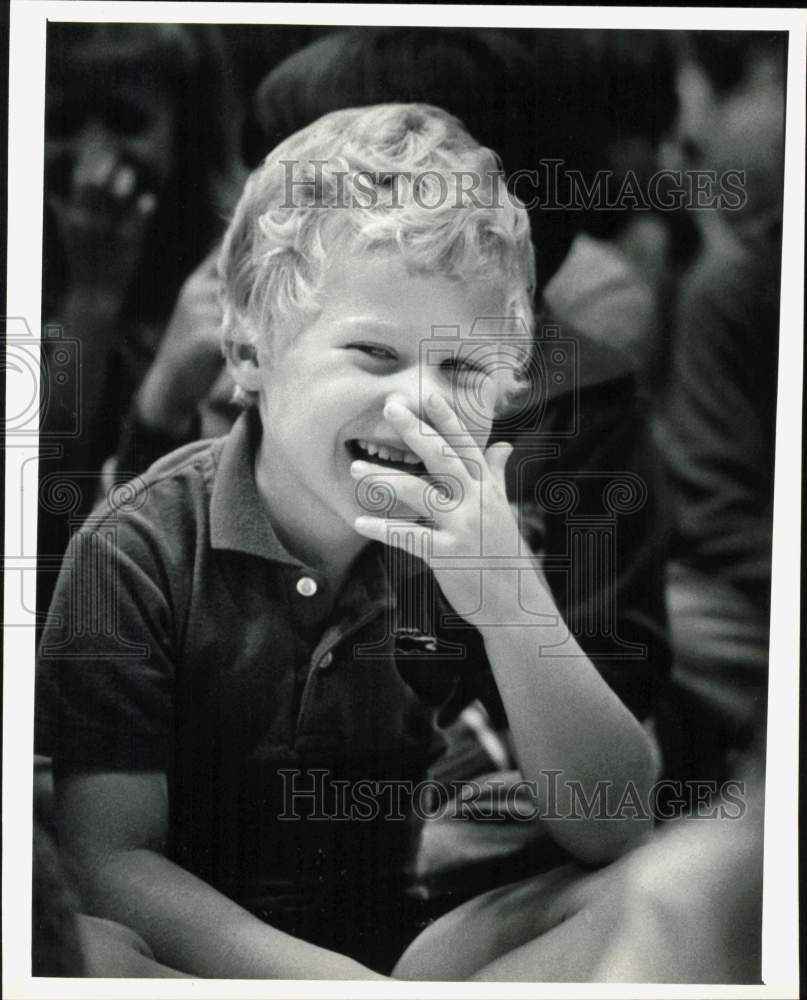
(618, 257)
(141, 167)
(716, 422)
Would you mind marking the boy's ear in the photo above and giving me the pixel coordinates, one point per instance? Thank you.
(242, 363)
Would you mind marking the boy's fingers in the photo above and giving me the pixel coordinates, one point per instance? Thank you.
(447, 423)
(415, 539)
(430, 498)
(437, 454)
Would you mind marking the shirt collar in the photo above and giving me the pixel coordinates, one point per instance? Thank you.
(238, 518)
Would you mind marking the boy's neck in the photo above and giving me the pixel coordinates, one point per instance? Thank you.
(314, 535)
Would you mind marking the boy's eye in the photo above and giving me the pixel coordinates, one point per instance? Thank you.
(376, 351)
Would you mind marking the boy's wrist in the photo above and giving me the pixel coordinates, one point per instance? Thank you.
(512, 598)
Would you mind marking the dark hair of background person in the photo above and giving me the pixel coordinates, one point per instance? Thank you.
(189, 64)
(724, 56)
(569, 95)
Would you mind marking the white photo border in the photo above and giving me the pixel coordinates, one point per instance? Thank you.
(780, 970)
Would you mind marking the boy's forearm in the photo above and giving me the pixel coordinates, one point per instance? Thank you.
(573, 737)
(193, 928)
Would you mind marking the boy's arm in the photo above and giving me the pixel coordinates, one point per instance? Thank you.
(572, 735)
(112, 826)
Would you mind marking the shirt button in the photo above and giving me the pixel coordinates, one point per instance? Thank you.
(306, 586)
(326, 660)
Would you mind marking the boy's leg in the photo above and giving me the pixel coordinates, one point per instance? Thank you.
(480, 931)
(112, 951)
(686, 907)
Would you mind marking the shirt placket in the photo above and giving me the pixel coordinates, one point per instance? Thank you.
(354, 615)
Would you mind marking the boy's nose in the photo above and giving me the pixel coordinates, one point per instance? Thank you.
(414, 388)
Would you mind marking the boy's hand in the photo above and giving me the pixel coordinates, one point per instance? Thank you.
(471, 539)
(473, 547)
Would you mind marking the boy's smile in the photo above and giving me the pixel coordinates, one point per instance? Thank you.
(392, 454)
(382, 332)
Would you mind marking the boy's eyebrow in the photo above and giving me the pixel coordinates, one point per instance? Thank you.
(352, 323)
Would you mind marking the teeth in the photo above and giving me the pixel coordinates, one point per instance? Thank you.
(389, 454)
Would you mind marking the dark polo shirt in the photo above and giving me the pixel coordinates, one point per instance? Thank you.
(183, 638)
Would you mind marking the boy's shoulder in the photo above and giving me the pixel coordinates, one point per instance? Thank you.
(197, 459)
(201, 496)
(187, 470)
(164, 509)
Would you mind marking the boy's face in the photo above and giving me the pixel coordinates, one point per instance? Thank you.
(377, 336)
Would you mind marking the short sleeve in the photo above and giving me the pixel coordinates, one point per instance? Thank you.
(105, 665)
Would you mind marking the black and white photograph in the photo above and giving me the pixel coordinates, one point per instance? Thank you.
(402, 500)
